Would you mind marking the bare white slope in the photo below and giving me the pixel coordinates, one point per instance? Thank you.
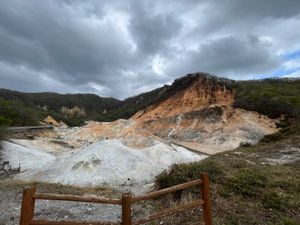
(30, 159)
(109, 163)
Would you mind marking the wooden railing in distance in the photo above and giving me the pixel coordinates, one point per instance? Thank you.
(30, 195)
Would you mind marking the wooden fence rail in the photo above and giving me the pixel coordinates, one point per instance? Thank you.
(30, 196)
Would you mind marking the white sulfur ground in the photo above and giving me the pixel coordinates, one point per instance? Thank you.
(29, 158)
(104, 163)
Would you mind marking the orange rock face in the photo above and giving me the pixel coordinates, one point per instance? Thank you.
(201, 117)
(201, 94)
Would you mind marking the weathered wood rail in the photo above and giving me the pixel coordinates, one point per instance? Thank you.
(30, 196)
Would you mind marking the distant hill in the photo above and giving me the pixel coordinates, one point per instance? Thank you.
(55, 101)
(272, 97)
(16, 104)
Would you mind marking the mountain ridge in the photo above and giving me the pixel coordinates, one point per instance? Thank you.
(271, 97)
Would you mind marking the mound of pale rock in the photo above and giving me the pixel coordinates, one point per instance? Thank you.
(107, 162)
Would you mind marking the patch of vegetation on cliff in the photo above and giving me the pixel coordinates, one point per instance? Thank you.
(250, 185)
(272, 97)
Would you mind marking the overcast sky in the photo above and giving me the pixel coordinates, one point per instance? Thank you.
(122, 48)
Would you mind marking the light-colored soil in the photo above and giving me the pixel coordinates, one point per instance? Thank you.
(107, 163)
(211, 130)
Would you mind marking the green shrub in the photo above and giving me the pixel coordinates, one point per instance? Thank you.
(231, 219)
(245, 144)
(272, 138)
(248, 183)
(283, 124)
(186, 172)
(272, 200)
(282, 134)
(288, 221)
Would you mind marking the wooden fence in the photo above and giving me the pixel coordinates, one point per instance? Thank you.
(30, 195)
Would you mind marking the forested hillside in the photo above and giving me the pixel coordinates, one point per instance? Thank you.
(17, 108)
(272, 97)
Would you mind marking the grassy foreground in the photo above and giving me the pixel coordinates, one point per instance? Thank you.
(250, 185)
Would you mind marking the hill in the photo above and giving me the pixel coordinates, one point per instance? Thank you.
(19, 108)
(271, 97)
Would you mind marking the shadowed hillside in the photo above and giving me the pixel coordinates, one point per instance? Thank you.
(19, 108)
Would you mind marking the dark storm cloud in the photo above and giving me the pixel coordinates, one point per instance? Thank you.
(235, 57)
(55, 39)
(120, 48)
(151, 30)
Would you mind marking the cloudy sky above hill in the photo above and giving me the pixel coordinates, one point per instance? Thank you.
(122, 48)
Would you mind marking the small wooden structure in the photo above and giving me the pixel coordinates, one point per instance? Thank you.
(30, 195)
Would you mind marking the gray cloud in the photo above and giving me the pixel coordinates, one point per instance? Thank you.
(229, 56)
(121, 48)
(152, 30)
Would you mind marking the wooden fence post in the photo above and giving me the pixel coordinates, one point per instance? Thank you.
(28, 203)
(126, 209)
(207, 201)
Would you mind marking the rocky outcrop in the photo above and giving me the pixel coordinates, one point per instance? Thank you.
(51, 121)
(199, 115)
(190, 93)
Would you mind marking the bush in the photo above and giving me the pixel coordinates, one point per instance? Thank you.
(272, 200)
(272, 138)
(248, 183)
(288, 221)
(186, 172)
(245, 144)
(282, 134)
(283, 124)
